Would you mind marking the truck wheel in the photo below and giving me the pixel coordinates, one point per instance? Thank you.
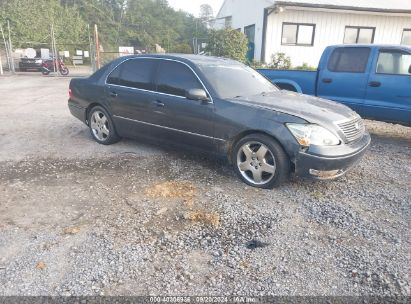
(260, 161)
(102, 127)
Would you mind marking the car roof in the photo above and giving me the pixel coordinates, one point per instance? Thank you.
(190, 58)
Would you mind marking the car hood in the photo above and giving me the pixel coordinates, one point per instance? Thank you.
(311, 109)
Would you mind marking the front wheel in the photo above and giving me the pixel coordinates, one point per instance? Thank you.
(102, 127)
(45, 71)
(260, 161)
(64, 71)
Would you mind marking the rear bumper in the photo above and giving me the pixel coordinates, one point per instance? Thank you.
(331, 162)
(77, 111)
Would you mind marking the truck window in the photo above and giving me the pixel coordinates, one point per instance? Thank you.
(349, 60)
(393, 62)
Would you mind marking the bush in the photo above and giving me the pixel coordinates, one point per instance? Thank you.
(257, 65)
(183, 48)
(280, 61)
(228, 43)
(305, 67)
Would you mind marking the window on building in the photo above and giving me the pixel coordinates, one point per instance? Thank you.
(228, 22)
(357, 34)
(406, 37)
(349, 60)
(176, 79)
(394, 62)
(298, 34)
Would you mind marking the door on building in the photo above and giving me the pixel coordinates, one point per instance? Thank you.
(249, 31)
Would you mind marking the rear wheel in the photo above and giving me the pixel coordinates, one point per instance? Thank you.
(260, 161)
(102, 127)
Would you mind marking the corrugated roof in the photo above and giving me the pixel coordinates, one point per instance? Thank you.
(365, 5)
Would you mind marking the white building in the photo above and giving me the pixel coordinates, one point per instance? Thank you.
(303, 28)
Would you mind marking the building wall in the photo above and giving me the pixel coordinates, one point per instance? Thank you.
(330, 28)
(245, 13)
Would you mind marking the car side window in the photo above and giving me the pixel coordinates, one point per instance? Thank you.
(134, 73)
(175, 78)
(349, 60)
(394, 62)
(114, 76)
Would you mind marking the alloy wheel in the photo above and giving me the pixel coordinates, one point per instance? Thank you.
(256, 163)
(99, 126)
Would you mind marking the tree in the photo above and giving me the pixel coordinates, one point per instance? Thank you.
(228, 43)
(206, 12)
(32, 27)
(140, 23)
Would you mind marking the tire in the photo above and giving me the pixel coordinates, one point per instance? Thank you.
(101, 126)
(64, 71)
(45, 72)
(260, 161)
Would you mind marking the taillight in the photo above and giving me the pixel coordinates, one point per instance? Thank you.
(70, 93)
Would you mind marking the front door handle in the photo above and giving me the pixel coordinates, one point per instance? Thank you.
(327, 80)
(113, 94)
(374, 84)
(159, 104)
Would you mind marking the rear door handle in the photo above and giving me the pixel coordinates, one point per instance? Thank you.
(374, 84)
(113, 94)
(327, 80)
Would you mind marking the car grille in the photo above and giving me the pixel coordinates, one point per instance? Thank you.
(352, 129)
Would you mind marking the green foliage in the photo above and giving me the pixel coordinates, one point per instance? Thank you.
(228, 43)
(257, 65)
(139, 23)
(30, 22)
(182, 48)
(305, 67)
(280, 61)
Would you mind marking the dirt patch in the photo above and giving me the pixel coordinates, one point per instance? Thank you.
(71, 230)
(212, 219)
(172, 189)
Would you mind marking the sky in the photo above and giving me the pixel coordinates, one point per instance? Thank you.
(193, 6)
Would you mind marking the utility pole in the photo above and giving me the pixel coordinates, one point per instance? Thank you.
(6, 48)
(196, 39)
(96, 39)
(1, 66)
(53, 50)
(11, 49)
(92, 61)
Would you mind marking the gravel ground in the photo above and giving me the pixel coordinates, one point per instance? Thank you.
(78, 218)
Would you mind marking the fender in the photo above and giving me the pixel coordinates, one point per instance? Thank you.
(288, 81)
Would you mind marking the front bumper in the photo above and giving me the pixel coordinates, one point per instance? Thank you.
(330, 162)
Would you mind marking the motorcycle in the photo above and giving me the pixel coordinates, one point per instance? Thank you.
(47, 67)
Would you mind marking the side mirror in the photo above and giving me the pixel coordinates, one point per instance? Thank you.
(409, 70)
(197, 94)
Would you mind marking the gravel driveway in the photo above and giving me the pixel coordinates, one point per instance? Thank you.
(78, 218)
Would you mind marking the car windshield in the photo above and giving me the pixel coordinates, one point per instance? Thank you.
(236, 80)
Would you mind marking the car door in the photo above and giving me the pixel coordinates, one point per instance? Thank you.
(130, 89)
(344, 78)
(183, 121)
(388, 92)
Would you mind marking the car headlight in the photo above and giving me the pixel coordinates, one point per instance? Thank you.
(39, 61)
(311, 134)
